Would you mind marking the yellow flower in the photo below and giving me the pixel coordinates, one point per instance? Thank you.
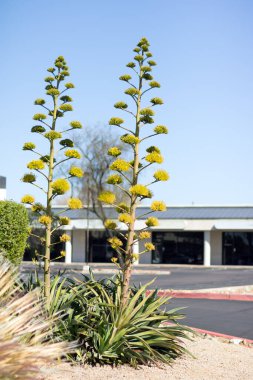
(122, 207)
(36, 165)
(53, 135)
(110, 224)
(64, 238)
(139, 190)
(29, 178)
(125, 218)
(107, 197)
(152, 222)
(60, 186)
(158, 206)
(63, 253)
(114, 151)
(45, 219)
(64, 220)
(154, 157)
(29, 146)
(72, 153)
(161, 175)
(114, 179)
(135, 256)
(37, 207)
(116, 121)
(144, 235)
(74, 171)
(120, 165)
(114, 260)
(130, 139)
(75, 203)
(149, 246)
(75, 124)
(115, 242)
(29, 199)
(161, 129)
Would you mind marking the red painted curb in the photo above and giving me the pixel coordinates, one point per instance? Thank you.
(210, 296)
(217, 334)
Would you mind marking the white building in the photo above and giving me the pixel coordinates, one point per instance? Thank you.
(2, 188)
(204, 235)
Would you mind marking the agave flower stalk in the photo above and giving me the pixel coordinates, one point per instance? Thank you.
(128, 172)
(45, 164)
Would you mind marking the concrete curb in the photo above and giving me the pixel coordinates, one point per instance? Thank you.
(230, 338)
(208, 296)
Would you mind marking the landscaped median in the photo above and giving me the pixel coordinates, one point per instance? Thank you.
(232, 293)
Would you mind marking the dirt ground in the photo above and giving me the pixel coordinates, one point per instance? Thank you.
(214, 360)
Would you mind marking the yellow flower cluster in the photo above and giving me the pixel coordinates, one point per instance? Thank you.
(130, 139)
(107, 197)
(64, 220)
(52, 135)
(161, 175)
(60, 186)
(115, 242)
(122, 207)
(147, 112)
(63, 253)
(45, 219)
(74, 171)
(39, 116)
(64, 238)
(75, 124)
(153, 149)
(116, 121)
(120, 165)
(114, 179)
(29, 146)
(158, 206)
(139, 190)
(114, 260)
(75, 203)
(152, 222)
(29, 178)
(37, 207)
(144, 235)
(125, 218)
(114, 151)
(135, 256)
(161, 129)
(72, 153)
(149, 246)
(29, 199)
(36, 165)
(110, 224)
(154, 157)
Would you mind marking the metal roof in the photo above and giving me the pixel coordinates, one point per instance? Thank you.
(176, 212)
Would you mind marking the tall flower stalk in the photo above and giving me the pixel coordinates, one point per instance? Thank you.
(45, 164)
(127, 177)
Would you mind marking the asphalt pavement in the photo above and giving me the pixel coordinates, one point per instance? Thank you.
(226, 317)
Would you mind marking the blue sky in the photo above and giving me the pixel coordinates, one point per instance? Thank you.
(204, 52)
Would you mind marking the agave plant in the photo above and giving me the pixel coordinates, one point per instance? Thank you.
(25, 331)
(139, 334)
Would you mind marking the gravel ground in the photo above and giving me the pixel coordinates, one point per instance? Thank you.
(214, 360)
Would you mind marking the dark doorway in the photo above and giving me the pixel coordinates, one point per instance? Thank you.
(35, 248)
(178, 247)
(237, 248)
(100, 250)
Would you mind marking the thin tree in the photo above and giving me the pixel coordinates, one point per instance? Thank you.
(46, 164)
(127, 177)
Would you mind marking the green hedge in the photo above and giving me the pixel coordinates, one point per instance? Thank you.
(14, 230)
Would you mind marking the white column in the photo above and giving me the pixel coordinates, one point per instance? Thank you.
(68, 249)
(207, 248)
(136, 251)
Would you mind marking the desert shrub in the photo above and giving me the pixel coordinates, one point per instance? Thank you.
(14, 230)
(107, 334)
(25, 330)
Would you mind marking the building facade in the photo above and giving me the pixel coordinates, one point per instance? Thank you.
(194, 235)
